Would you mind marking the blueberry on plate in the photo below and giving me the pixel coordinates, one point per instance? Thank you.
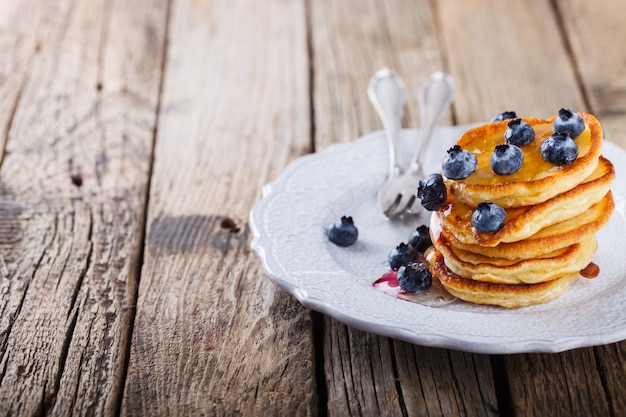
(488, 217)
(568, 123)
(432, 192)
(401, 255)
(519, 133)
(420, 239)
(559, 149)
(458, 163)
(505, 115)
(343, 233)
(414, 277)
(506, 159)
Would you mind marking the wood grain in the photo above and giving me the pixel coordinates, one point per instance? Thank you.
(212, 335)
(135, 138)
(462, 382)
(611, 365)
(595, 32)
(504, 63)
(18, 42)
(350, 44)
(367, 374)
(567, 383)
(74, 184)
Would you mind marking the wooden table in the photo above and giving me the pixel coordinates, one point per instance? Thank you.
(135, 138)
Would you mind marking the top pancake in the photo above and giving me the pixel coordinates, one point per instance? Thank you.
(537, 180)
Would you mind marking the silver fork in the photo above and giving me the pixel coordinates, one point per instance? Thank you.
(397, 196)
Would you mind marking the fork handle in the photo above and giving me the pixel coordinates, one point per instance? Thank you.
(436, 94)
(386, 92)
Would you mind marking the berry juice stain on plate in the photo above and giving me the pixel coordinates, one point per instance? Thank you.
(434, 296)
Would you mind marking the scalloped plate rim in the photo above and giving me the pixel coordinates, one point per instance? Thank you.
(458, 342)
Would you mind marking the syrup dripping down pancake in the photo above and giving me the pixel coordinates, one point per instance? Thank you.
(524, 222)
(537, 180)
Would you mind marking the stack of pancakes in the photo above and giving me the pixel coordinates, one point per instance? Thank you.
(552, 215)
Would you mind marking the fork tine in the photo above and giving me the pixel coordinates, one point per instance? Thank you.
(404, 203)
(390, 210)
(415, 206)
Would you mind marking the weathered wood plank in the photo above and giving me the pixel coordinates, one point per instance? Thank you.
(517, 73)
(212, 335)
(19, 21)
(350, 43)
(74, 184)
(368, 374)
(596, 33)
(611, 362)
(440, 382)
(570, 380)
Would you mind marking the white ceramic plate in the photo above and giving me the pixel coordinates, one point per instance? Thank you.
(288, 227)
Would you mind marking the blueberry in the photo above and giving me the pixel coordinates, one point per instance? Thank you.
(414, 277)
(420, 239)
(488, 217)
(343, 233)
(504, 116)
(559, 149)
(506, 159)
(432, 192)
(458, 163)
(401, 255)
(568, 123)
(519, 133)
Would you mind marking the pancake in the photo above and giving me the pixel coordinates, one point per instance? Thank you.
(524, 222)
(552, 214)
(504, 295)
(546, 267)
(550, 238)
(537, 180)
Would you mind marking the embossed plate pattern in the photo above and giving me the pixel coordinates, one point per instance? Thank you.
(288, 228)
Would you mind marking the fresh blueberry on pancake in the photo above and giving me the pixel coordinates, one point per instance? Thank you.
(420, 239)
(505, 115)
(432, 192)
(343, 233)
(559, 149)
(488, 217)
(506, 159)
(519, 133)
(401, 255)
(458, 163)
(568, 123)
(414, 277)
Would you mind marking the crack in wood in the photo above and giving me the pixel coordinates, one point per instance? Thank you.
(134, 294)
(502, 386)
(317, 320)
(604, 380)
(50, 399)
(7, 332)
(80, 369)
(396, 377)
(83, 271)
